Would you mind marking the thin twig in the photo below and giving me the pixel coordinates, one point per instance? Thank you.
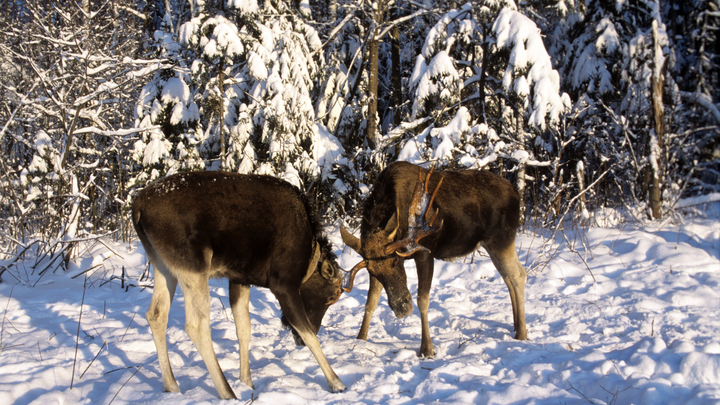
(128, 327)
(126, 381)
(572, 201)
(118, 369)
(578, 391)
(110, 249)
(572, 249)
(527, 255)
(91, 268)
(2, 329)
(91, 362)
(77, 335)
(251, 400)
(551, 256)
(615, 395)
(461, 342)
(54, 258)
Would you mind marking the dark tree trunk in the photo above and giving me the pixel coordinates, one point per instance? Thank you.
(396, 99)
(372, 90)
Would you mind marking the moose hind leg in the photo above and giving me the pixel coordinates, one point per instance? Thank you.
(157, 317)
(197, 325)
(513, 273)
(240, 303)
(374, 291)
(294, 310)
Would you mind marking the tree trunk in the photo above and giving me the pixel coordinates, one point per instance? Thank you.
(396, 99)
(221, 86)
(372, 90)
(481, 84)
(656, 140)
(521, 191)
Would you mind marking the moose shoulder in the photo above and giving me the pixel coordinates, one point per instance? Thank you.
(252, 230)
(473, 207)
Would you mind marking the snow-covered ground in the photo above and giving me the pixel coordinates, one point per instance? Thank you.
(618, 315)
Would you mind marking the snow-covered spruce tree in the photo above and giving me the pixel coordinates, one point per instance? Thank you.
(240, 97)
(167, 110)
(484, 91)
(341, 110)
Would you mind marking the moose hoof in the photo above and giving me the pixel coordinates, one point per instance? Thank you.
(248, 382)
(426, 353)
(337, 388)
(172, 387)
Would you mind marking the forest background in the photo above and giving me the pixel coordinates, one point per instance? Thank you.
(583, 105)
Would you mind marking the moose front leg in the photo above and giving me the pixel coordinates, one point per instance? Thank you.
(425, 267)
(374, 291)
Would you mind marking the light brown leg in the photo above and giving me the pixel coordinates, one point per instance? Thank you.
(157, 317)
(240, 304)
(514, 275)
(197, 325)
(374, 291)
(425, 268)
(294, 311)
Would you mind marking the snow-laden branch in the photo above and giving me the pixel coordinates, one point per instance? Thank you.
(23, 102)
(399, 131)
(333, 33)
(395, 23)
(703, 199)
(116, 133)
(703, 100)
(104, 87)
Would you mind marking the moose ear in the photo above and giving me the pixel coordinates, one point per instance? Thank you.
(327, 271)
(392, 226)
(350, 239)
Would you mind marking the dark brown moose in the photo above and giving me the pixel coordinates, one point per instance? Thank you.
(252, 230)
(401, 220)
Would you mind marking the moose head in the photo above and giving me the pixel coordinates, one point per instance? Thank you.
(386, 246)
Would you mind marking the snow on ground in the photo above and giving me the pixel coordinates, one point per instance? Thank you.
(643, 331)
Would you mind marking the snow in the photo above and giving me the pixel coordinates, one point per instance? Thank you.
(448, 136)
(609, 40)
(646, 331)
(175, 90)
(245, 6)
(157, 148)
(517, 32)
(591, 59)
(224, 40)
(256, 66)
(188, 34)
(43, 148)
(329, 151)
(439, 76)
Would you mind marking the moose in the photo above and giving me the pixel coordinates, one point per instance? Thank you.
(252, 230)
(400, 220)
